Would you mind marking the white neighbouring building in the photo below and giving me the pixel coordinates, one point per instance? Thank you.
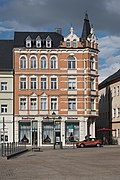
(6, 90)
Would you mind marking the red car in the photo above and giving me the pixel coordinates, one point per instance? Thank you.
(89, 143)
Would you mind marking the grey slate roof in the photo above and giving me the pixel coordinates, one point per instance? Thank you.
(113, 78)
(6, 56)
(20, 37)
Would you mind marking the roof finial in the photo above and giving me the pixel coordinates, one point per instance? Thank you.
(86, 15)
(71, 29)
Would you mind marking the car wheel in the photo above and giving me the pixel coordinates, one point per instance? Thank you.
(82, 145)
(98, 145)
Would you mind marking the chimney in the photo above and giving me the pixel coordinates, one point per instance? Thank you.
(59, 30)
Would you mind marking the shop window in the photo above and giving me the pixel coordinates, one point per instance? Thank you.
(24, 132)
(72, 132)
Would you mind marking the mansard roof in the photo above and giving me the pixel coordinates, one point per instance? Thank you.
(110, 80)
(6, 55)
(20, 37)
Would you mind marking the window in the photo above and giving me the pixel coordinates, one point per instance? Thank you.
(23, 83)
(74, 43)
(43, 62)
(23, 104)
(53, 83)
(23, 62)
(92, 63)
(72, 83)
(53, 63)
(38, 42)
(4, 108)
(48, 42)
(33, 104)
(28, 42)
(71, 62)
(53, 103)
(43, 104)
(43, 83)
(33, 62)
(118, 91)
(114, 91)
(118, 112)
(92, 83)
(71, 104)
(92, 104)
(68, 43)
(114, 112)
(4, 86)
(33, 83)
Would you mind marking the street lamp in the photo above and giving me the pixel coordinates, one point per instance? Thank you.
(53, 117)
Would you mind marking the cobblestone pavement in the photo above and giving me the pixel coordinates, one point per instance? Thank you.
(67, 164)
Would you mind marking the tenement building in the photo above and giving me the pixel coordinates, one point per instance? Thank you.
(6, 91)
(55, 86)
(109, 108)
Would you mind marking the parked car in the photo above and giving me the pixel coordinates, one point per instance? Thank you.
(89, 143)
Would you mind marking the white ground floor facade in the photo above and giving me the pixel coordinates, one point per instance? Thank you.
(47, 131)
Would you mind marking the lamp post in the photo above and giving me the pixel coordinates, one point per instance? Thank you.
(53, 117)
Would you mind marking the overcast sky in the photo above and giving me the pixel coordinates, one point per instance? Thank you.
(46, 15)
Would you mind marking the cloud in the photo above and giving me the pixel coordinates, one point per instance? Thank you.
(110, 52)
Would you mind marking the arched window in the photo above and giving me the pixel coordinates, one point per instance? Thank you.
(71, 62)
(74, 43)
(43, 62)
(48, 42)
(68, 43)
(38, 42)
(92, 62)
(33, 62)
(53, 62)
(23, 62)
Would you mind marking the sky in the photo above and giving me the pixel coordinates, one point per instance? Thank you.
(46, 15)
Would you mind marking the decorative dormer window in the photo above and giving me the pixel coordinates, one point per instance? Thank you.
(74, 43)
(48, 42)
(28, 42)
(68, 43)
(38, 42)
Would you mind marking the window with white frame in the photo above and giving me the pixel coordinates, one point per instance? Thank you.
(43, 62)
(92, 83)
(74, 43)
(53, 62)
(23, 83)
(33, 62)
(23, 103)
(4, 108)
(71, 62)
(33, 83)
(92, 62)
(53, 82)
(92, 104)
(28, 42)
(68, 43)
(118, 90)
(43, 83)
(71, 103)
(48, 42)
(118, 112)
(4, 86)
(114, 91)
(33, 103)
(43, 103)
(23, 62)
(85, 64)
(114, 112)
(54, 103)
(71, 83)
(38, 42)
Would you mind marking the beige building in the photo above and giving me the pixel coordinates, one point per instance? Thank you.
(109, 107)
